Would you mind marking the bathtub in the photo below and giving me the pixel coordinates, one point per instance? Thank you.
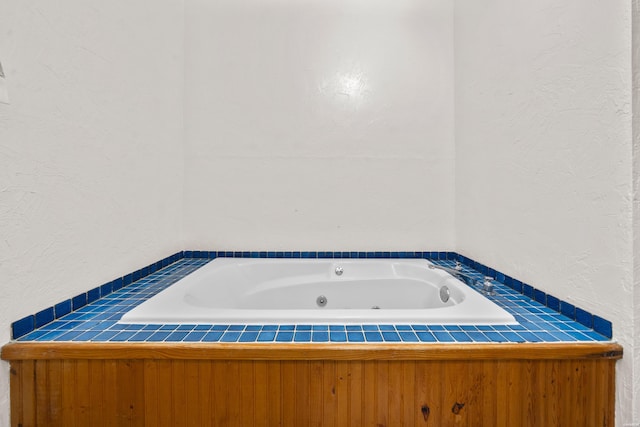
(318, 291)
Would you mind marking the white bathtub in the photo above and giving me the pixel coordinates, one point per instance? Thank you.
(276, 291)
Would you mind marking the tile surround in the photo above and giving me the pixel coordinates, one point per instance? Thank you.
(93, 316)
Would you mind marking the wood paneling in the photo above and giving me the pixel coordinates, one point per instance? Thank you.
(212, 392)
(291, 351)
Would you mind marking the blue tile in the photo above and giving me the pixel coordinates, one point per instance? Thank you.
(553, 302)
(391, 336)
(236, 328)
(43, 317)
(34, 335)
(251, 328)
(567, 309)
(517, 286)
(602, 326)
(177, 336)
(540, 296)
(354, 328)
(212, 336)
(436, 327)
(426, 336)
(595, 336)
(545, 336)
(117, 284)
(561, 336)
(355, 336)
(141, 336)
(270, 328)
(529, 336)
(512, 336)
(320, 336)
(123, 336)
(374, 336)
(302, 336)
(336, 328)
(320, 328)
(584, 317)
(266, 335)
(287, 327)
(338, 336)
(386, 328)
(69, 335)
(478, 337)
(105, 335)
(158, 336)
(443, 336)
(419, 327)
(194, 336)
(62, 308)
(23, 326)
(51, 335)
(248, 336)
(79, 301)
(93, 295)
(284, 336)
(408, 336)
(461, 337)
(230, 336)
(106, 289)
(495, 336)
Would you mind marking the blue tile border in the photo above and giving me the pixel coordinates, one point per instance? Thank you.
(29, 323)
(93, 316)
(601, 326)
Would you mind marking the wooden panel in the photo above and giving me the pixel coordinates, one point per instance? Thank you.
(221, 400)
(289, 396)
(313, 393)
(311, 351)
(276, 394)
(111, 391)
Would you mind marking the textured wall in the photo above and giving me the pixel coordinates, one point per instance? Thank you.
(319, 124)
(89, 181)
(323, 125)
(543, 152)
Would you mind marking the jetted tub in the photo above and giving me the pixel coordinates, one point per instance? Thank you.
(319, 291)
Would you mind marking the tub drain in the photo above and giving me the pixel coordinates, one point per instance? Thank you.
(321, 301)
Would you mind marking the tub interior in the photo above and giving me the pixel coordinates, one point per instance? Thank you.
(264, 291)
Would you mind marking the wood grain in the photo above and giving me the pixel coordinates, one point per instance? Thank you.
(336, 391)
(310, 351)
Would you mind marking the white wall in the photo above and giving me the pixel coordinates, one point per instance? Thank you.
(635, 380)
(319, 125)
(89, 182)
(324, 124)
(543, 153)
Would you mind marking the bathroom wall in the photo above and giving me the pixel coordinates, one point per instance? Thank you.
(544, 154)
(90, 148)
(324, 124)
